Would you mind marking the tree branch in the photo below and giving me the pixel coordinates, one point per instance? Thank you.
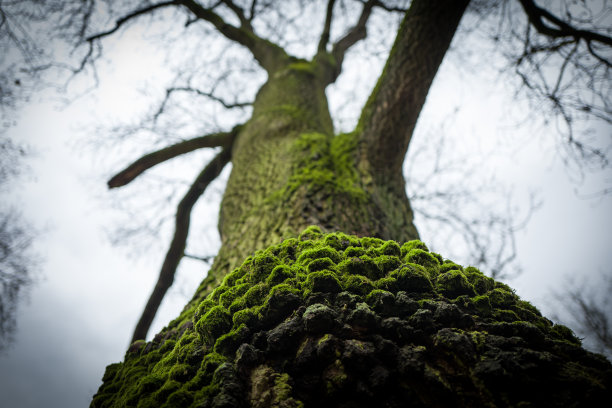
(270, 56)
(239, 12)
(179, 241)
(539, 18)
(135, 169)
(390, 114)
(136, 13)
(356, 33)
(209, 95)
(326, 27)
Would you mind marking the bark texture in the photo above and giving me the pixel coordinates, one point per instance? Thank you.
(337, 320)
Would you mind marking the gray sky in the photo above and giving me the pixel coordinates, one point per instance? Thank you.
(81, 312)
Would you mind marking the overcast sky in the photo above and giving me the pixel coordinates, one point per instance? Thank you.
(80, 314)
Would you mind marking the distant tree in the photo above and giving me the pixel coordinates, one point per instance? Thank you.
(17, 262)
(588, 310)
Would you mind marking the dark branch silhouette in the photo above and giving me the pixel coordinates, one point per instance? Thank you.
(179, 240)
(128, 17)
(549, 24)
(135, 169)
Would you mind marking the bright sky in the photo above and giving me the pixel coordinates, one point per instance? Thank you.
(81, 312)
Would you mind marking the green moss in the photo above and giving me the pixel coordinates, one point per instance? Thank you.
(372, 242)
(322, 281)
(449, 266)
(358, 284)
(256, 294)
(410, 245)
(179, 398)
(312, 232)
(340, 241)
(353, 251)
(502, 298)
(391, 248)
(214, 323)
(263, 263)
(454, 283)
(279, 274)
(181, 372)
(564, 333)
(387, 263)
(248, 316)
(228, 343)
(228, 297)
(482, 304)
(412, 278)
(321, 264)
(388, 284)
(326, 161)
(303, 66)
(185, 366)
(481, 283)
(318, 253)
(505, 315)
(423, 258)
(363, 265)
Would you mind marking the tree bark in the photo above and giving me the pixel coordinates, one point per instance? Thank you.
(291, 317)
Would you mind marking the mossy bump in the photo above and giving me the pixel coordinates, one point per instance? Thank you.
(361, 320)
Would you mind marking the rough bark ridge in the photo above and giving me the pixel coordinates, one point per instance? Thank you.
(345, 319)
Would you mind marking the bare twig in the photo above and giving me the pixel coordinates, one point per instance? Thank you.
(128, 17)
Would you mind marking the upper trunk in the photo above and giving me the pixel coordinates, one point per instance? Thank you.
(290, 171)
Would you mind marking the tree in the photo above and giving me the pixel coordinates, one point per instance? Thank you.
(17, 262)
(298, 321)
(587, 307)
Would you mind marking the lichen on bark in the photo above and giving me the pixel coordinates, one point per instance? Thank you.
(339, 320)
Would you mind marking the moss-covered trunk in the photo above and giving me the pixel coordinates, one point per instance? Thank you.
(290, 171)
(290, 317)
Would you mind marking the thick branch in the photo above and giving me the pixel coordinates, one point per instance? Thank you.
(179, 241)
(152, 159)
(389, 117)
(556, 27)
(270, 56)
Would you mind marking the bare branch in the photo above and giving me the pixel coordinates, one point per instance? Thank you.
(322, 47)
(549, 24)
(239, 12)
(252, 10)
(179, 240)
(269, 55)
(135, 169)
(356, 33)
(209, 95)
(136, 13)
(205, 259)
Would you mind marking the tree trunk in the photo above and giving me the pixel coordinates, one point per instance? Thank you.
(347, 319)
